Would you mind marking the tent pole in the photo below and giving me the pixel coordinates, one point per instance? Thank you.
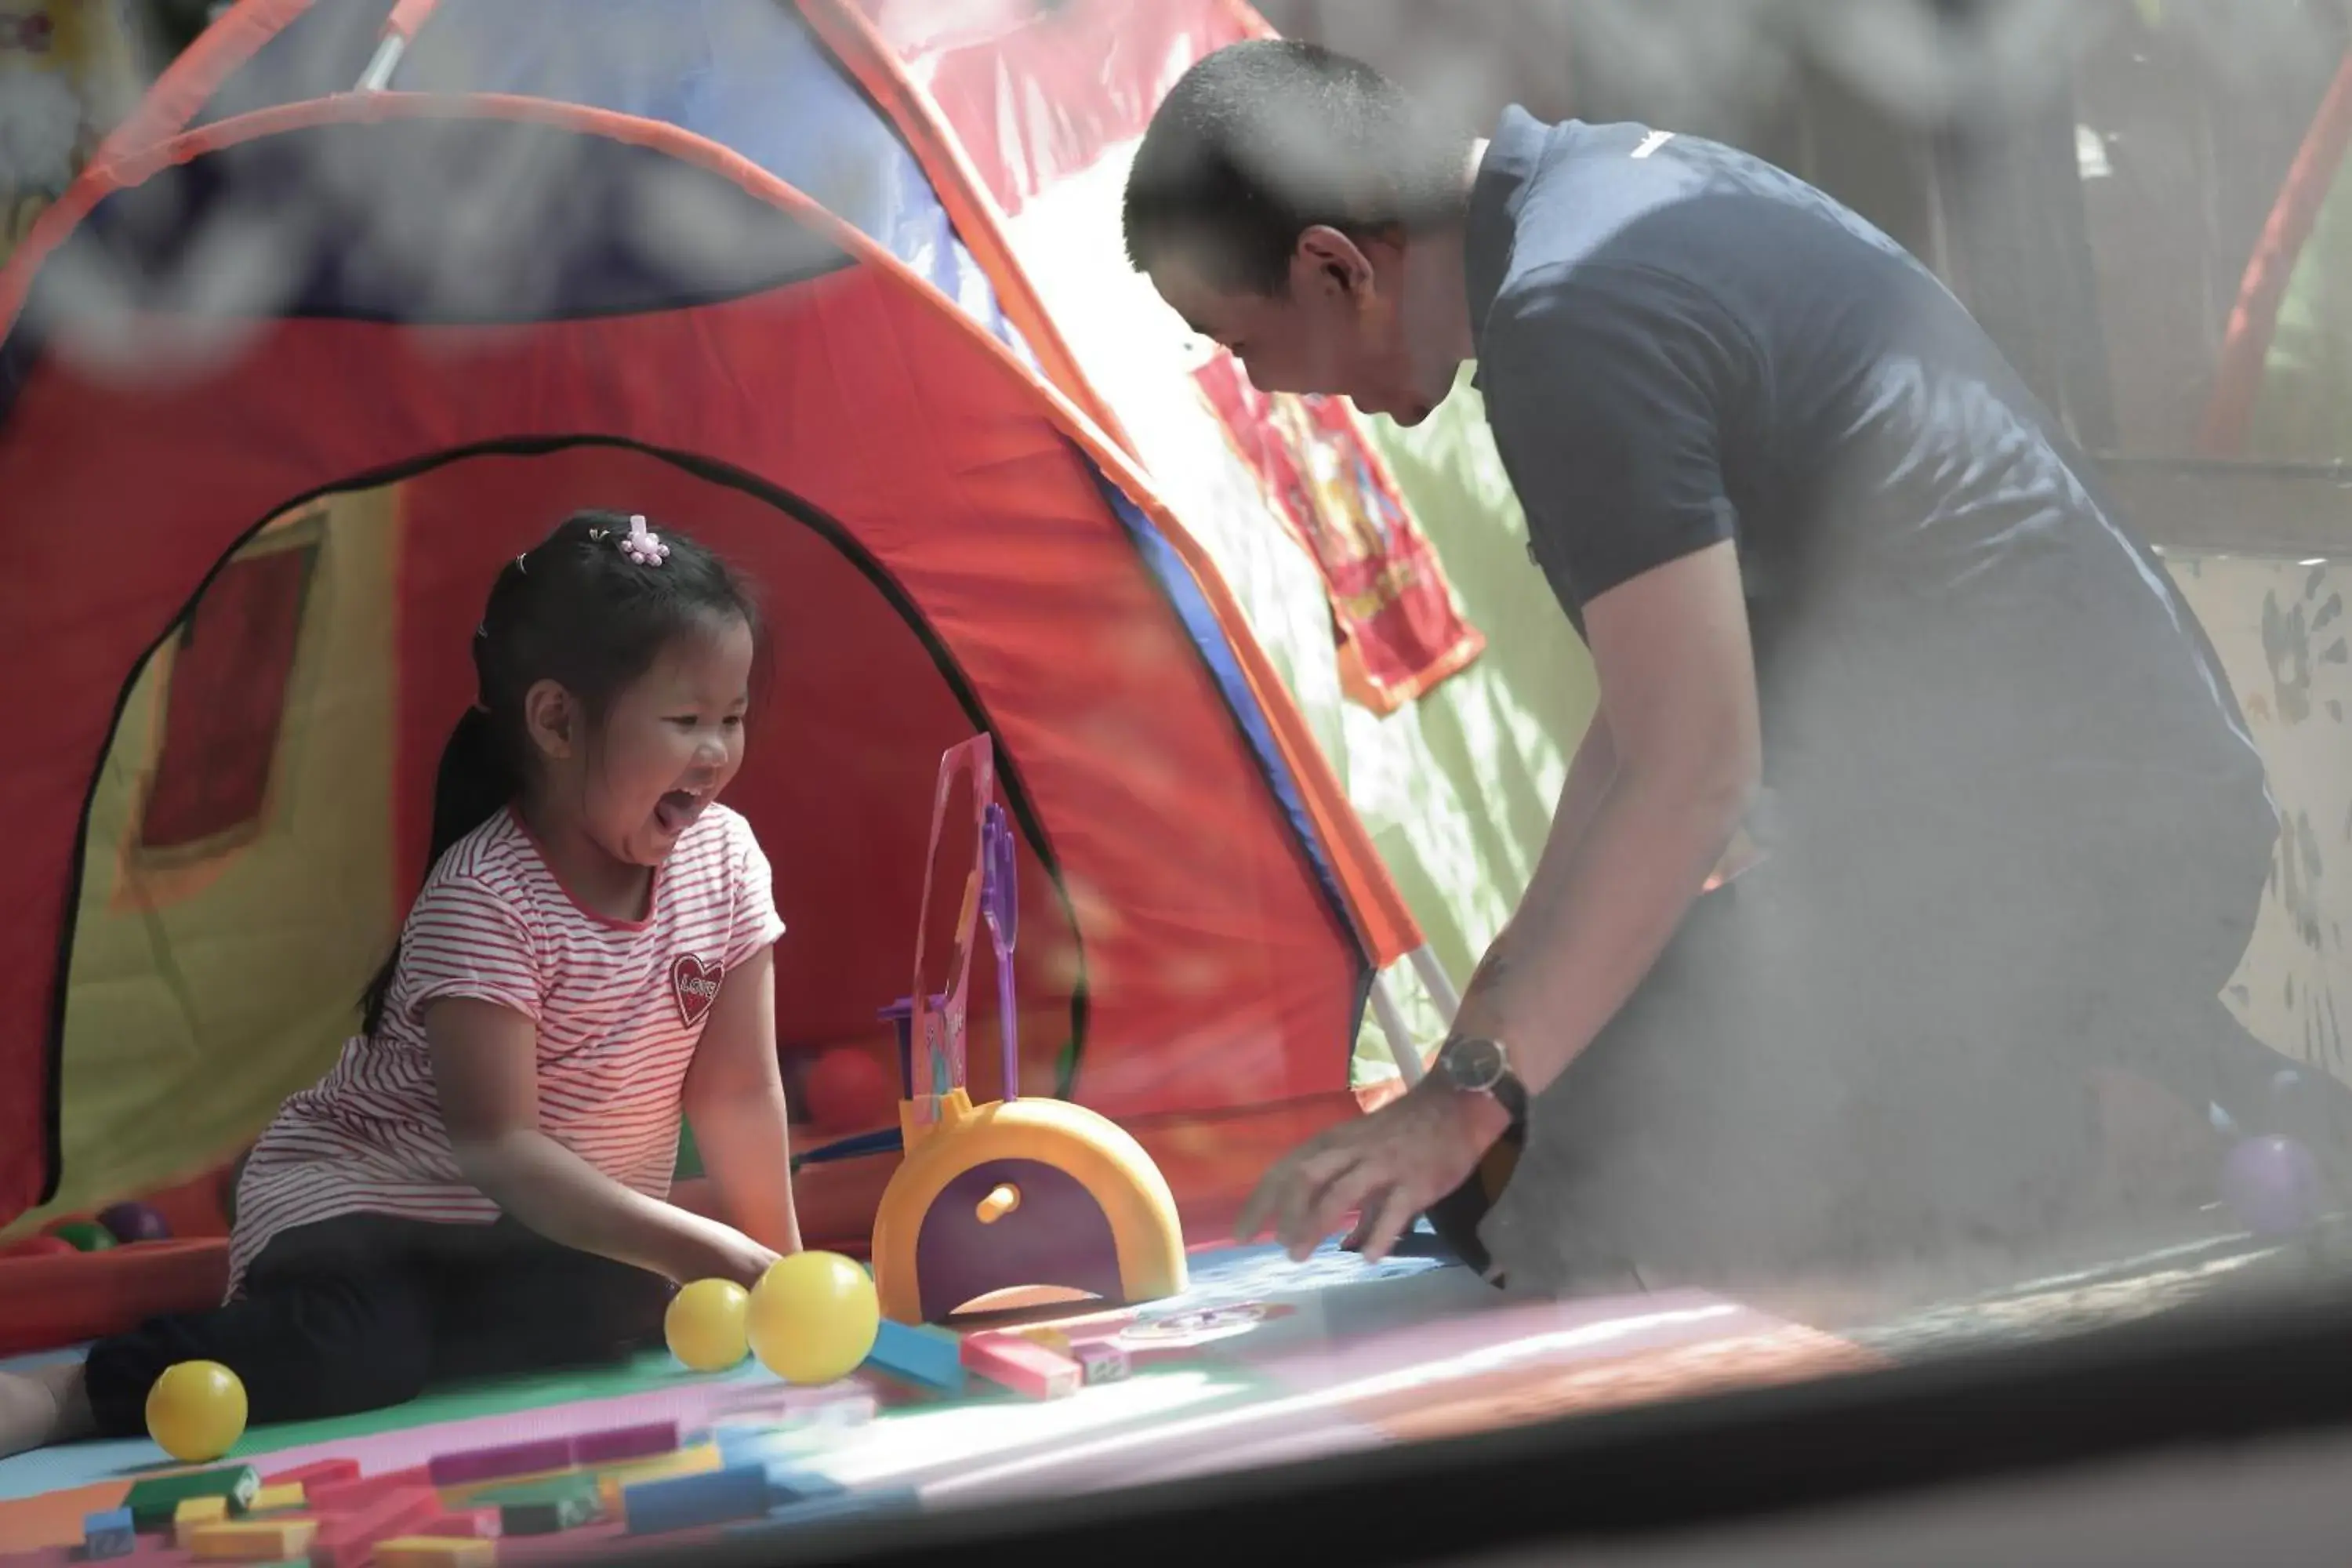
(1398, 1033)
(1437, 982)
(379, 70)
(399, 31)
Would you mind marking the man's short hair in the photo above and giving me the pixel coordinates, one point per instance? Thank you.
(1264, 140)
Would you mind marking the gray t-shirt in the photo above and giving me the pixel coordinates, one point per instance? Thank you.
(1680, 344)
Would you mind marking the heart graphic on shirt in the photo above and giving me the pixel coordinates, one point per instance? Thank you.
(696, 984)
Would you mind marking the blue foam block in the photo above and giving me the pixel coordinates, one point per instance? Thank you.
(933, 1357)
(739, 1445)
(109, 1534)
(840, 1505)
(683, 1502)
(788, 1487)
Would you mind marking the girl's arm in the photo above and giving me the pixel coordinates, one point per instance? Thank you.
(485, 1070)
(735, 1103)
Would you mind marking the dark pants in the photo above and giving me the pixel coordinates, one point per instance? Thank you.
(363, 1312)
(1874, 1055)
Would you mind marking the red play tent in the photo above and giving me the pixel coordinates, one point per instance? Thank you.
(494, 260)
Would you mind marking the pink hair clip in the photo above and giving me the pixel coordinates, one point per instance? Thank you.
(644, 546)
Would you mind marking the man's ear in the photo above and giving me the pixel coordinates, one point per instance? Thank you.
(1327, 260)
(551, 718)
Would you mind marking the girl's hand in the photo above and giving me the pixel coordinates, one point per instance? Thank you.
(715, 1251)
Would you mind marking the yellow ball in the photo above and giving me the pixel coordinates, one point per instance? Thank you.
(705, 1325)
(813, 1317)
(195, 1410)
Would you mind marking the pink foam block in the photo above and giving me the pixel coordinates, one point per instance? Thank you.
(492, 1464)
(1022, 1366)
(624, 1443)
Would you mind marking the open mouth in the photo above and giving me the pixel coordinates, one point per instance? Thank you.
(676, 810)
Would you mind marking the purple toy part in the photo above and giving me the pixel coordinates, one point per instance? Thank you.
(2272, 1184)
(130, 1222)
(1057, 1235)
(1000, 905)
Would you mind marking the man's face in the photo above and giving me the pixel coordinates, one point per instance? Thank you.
(1340, 327)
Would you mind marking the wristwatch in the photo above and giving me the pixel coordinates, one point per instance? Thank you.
(1475, 1065)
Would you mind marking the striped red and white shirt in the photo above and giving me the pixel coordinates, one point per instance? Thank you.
(619, 1006)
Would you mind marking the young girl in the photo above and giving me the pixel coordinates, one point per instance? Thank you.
(479, 1186)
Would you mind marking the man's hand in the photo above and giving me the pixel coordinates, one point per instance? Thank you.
(1388, 1167)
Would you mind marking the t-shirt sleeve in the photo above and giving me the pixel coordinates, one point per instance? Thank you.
(1607, 397)
(756, 923)
(464, 939)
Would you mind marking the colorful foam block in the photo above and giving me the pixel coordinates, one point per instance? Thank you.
(839, 1505)
(358, 1492)
(481, 1523)
(1022, 1365)
(761, 1443)
(490, 1464)
(787, 1486)
(1094, 1326)
(252, 1539)
(920, 1353)
(613, 1479)
(109, 1534)
(320, 1472)
(1100, 1361)
(591, 1448)
(683, 1502)
(434, 1552)
(545, 1506)
(194, 1513)
(153, 1501)
(279, 1498)
(344, 1540)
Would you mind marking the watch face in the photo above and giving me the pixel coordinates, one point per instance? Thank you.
(1474, 1064)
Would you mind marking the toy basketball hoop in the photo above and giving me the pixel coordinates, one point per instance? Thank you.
(1013, 1191)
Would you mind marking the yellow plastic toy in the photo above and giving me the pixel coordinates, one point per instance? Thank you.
(1018, 1191)
(812, 1317)
(705, 1325)
(195, 1410)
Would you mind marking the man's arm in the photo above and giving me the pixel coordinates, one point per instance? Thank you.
(1590, 769)
(1591, 773)
(1678, 714)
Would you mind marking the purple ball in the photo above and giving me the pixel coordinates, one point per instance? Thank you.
(2272, 1184)
(135, 1222)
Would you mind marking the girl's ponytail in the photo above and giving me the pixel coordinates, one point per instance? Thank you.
(475, 782)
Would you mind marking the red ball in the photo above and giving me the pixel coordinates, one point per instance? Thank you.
(849, 1091)
(38, 1246)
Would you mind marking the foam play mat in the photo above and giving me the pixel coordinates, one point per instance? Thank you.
(1260, 1360)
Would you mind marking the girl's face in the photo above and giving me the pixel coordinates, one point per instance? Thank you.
(669, 743)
